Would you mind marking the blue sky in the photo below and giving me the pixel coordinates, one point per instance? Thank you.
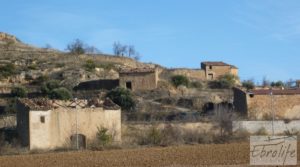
(261, 37)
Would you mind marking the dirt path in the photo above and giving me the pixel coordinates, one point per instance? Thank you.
(177, 156)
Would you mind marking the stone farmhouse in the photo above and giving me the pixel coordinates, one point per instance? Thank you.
(50, 124)
(214, 69)
(261, 103)
(138, 78)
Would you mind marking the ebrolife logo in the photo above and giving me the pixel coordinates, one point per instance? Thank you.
(273, 150)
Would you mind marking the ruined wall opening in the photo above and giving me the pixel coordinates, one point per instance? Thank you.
(208, 108)
(78, 140)
(129, 85)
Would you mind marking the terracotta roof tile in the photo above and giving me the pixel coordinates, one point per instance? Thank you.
(276, 92)
(136, 70)
(217, 63)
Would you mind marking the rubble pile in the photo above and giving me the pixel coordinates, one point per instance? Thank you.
(108, 104)
(37, 103)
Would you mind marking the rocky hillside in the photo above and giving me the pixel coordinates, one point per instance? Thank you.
(24, 64)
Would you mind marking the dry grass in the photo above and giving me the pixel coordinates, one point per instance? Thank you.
(196, 155)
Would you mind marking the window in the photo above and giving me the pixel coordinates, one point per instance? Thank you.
(210, 67)
(128, 85)
(42, 119)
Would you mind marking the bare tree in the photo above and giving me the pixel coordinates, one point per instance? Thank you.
(125, 50)
(224, 116)
(119, 49)
(131, 50)
(76, 47)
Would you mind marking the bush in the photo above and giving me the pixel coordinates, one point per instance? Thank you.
(122, 97)
(248, 84)
(60, 93)
(76, 47)
(49, 86)
(196, 84)
(277, 84)
(19, 91)
(41, 79)
(224, 82)
(89, 65)
(103, 138)
(178, 80)
(7, 70)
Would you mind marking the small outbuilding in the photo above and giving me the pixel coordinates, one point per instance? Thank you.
(50, 124)
(215, 69)
(260, 104)
(138, 78)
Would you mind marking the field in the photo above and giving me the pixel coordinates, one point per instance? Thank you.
(176, 156)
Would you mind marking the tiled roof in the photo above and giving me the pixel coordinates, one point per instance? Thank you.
(276, 92)
(217, 63)
(136, 70)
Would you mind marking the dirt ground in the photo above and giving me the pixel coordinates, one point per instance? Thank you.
(175, 156)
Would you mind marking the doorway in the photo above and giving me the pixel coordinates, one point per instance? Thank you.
(80, 139)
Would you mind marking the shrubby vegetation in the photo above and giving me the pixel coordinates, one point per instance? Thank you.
(248, 84)
(60, 93)
(103, 137)
(54, 90)
(89, 65)
(7, 70)
(122, 97)
(277, 84)
(178, 80)
(224, 82)
(78, 47)
(19, 91)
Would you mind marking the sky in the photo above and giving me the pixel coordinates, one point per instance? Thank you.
(260, 37)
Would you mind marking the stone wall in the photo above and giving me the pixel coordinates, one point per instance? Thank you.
(192, 74)
(60, 124)
(218, 71)
(240, 101)
(8, 121)
(97, 85)
(284, 106)
(280, 127)
(139, 81)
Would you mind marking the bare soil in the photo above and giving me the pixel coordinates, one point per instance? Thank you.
(236, 154)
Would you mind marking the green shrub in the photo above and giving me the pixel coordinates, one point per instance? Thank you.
(277, 84)
(41, 79)
(32, 67)
(224, 82)
(19, 91)
(89, 65)
(178, 80)
(103, 137)
(60, 93)
(49, 86)
(7, 70)
(248, 84)
(122, 97)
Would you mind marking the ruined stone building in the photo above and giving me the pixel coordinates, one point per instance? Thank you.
(138, 78)
(214, 69)
(260, 104)
(48, 124)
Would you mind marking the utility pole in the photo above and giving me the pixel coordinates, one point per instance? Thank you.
(77, 146)
(272, 110)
